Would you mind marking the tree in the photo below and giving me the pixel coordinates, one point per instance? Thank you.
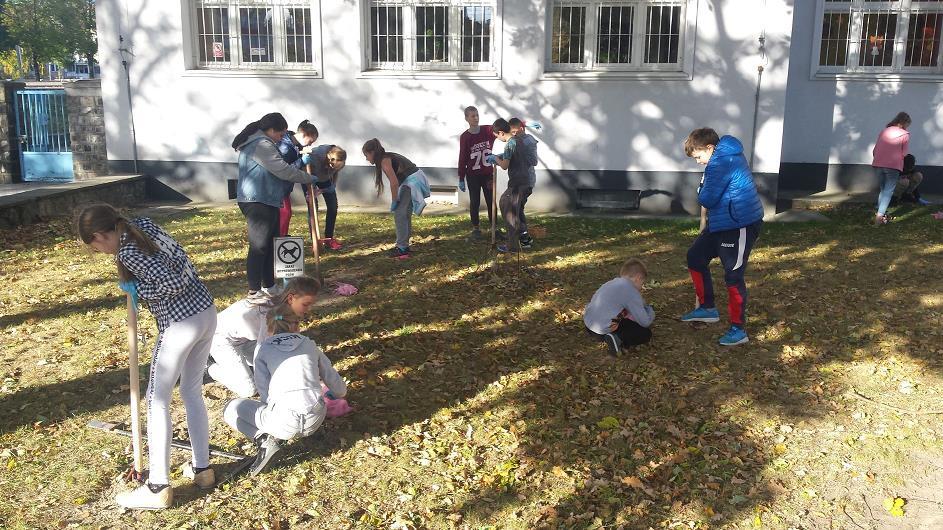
(37, 27)
(77, 18)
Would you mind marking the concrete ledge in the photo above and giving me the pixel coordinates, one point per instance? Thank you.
(25, 203)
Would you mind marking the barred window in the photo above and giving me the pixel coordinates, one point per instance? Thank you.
(253, 34)
(617, 35)
(419, 35)
(880, 36)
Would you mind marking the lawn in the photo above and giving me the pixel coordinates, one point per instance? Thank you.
(480, 401)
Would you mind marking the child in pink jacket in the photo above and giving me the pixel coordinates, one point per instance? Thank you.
(889, 151)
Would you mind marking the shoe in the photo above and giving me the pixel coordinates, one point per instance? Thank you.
(205, 479)
(475, 235)
(924, 202)
(701, 314)
(881, 220)
(142, 498)
(735, 335)
(333, 244)
(267, 449)
(526, 241)
(399, 253)
(614, 343)
(272, 291)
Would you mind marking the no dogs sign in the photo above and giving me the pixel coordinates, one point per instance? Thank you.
(289, 257)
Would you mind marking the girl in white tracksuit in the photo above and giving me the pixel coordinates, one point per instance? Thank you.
(153, 266)
(242, 326)
(289, 368)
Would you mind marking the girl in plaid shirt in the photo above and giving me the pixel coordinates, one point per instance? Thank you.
(155, 267)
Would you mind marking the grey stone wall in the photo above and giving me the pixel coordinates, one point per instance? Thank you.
(9, 144)
(87, 128)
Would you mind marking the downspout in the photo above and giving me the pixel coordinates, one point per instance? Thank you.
(759, 82)
(127, 77)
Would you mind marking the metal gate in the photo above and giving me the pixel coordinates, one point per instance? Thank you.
(42, 127)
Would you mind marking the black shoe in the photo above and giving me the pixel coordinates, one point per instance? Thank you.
(267, 449)
(614, 344)
(526, 241)
(399, 253)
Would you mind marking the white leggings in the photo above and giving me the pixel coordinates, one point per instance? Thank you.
(180, 353)
(230, 366)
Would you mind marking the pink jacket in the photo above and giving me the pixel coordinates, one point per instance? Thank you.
(892, 145)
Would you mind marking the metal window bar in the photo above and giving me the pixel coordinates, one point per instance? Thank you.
(923, 39)
(476, 34)
(876, 42)
(614, 44)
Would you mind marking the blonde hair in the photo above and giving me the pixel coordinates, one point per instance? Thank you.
(633, 267)
(105, 218)
(281, 319)
(338, 153)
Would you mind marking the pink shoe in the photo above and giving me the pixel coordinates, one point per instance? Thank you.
(937, 215)
(333, 244)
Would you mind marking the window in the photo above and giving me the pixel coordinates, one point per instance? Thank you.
(253, 34)
(617, 35)
(879, 37)
(420, 35)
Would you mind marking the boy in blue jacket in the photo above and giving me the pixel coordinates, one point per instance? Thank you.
(734, 218)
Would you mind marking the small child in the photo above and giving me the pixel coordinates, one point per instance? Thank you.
(617, 313)
(734, 219)
(409, 189)
(475, 145)
(908, 185)
(242, 326)
(294, 148)
(289, 369)
(326, 163)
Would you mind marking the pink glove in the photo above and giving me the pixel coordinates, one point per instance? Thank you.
(345, 289)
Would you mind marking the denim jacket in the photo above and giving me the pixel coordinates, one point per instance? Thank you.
(264, 176)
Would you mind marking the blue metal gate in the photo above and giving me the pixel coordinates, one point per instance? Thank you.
(42, 127)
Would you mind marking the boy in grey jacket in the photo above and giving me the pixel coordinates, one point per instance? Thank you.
(289, 369)
(617, 313)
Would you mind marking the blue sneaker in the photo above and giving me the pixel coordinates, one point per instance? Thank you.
(701, 314)
(924, 202)
(735, 335)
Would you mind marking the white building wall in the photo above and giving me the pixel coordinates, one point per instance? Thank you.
(631, 127)
(832, 124)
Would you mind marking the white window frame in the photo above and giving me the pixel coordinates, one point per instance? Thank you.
(235, 67)
(454, 66)
(856, 10)
(636, 68)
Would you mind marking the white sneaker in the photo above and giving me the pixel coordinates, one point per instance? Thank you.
(205, 479)
(273, 291)
(142, 498)
(267, 449)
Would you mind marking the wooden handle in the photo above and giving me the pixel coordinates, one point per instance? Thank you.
(494, 205)
(313, 229)
(135, 384)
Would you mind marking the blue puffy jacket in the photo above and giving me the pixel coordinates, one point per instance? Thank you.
(727, 189)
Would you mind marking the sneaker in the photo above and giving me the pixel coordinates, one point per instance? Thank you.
(735, 335)
(475, 235)
(142, 498)
(399, 253)
(614, 343)
(267, 449)
(333, 244)
(881, 220)
(272, 291)
(205, 479)
(924, 202)
(701, 314)
(526, 241)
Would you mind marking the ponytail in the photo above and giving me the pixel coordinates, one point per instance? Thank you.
(308, 129)
(374, 146)
(272, 120)
(105, 218)
(281, 319)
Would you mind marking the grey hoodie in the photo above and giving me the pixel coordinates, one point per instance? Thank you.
(610, 300)
(289, 369)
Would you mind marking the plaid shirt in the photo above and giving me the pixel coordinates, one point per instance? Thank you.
(167, 280)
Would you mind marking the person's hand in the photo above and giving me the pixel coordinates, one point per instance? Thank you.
(614, 325)
(329, 395)
(130, 287)
(490, 158)
(461, 185)
(393, 205)
(306, 150)
(306, 159)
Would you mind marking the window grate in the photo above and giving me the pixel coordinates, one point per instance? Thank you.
(432, 34)
(476, 34)
(615, 34)
(386, 30)
(569, 31)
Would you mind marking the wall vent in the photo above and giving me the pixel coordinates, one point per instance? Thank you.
(610, 199)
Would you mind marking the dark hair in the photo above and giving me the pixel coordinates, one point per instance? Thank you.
(308, 128)
(501, 125)
(272, 120)
(901, 120)
(516, 123)
(700, 139)
(470, 109)
(374, 146)
(105, 218)
(910, 163)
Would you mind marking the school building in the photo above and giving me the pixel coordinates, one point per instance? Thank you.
(806, 85)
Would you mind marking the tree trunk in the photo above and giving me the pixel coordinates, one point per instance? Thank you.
(39, 76)
(90, 59)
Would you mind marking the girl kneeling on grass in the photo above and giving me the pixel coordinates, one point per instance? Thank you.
(153, 266)
(242, 326)
(289, 369)
(409, 189)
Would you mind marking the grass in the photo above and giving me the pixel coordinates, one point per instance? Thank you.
(481, 402)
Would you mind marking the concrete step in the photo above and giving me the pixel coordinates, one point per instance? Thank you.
(809, 200)
(29, 202)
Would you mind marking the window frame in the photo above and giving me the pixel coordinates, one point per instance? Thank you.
(857, 9)
(454, 66)
(636, 68)
(236, 67)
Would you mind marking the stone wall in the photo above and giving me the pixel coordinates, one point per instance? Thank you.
(87, 128)
(9, 144)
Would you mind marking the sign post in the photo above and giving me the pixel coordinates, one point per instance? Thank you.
(289, 257)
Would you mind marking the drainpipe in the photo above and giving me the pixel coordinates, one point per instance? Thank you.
(759, 82)
(127, 77)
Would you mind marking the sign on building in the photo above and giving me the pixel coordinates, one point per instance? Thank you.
(289, 257)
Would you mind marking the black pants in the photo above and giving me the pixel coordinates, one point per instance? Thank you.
(476, 185)
(733, 248)
(262, 221)
(330, 200)
(512, 205)
(629, 332)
